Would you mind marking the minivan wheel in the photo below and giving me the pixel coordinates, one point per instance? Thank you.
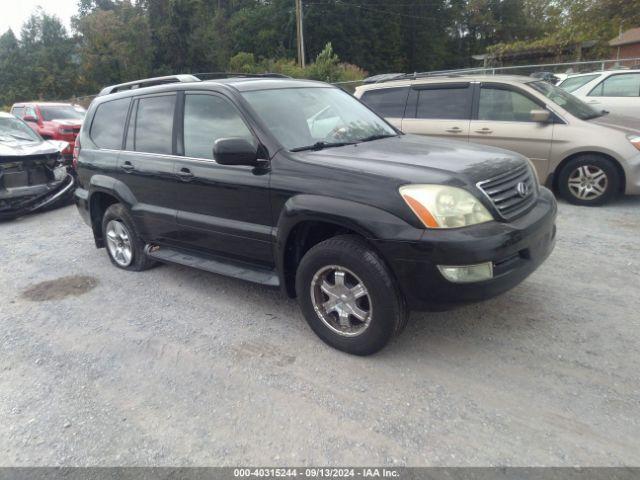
(589, 180)
(348, 296)
(124, 246)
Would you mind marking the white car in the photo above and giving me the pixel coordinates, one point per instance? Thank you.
(616, 91)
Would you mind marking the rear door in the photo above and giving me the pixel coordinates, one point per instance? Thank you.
(146, 165)
(389, 103)
(439, 110)
(618, 93)
(502, 118)
(222, 209)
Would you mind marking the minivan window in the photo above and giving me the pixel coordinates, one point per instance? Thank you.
(571, 84)
(570, 103)
(154, 125)
(301, 117)
(623, 85)
(444, 103)
(107, 127)
(208, 118)
(387, 102)
(498, 104)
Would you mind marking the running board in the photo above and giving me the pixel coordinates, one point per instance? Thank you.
(219, 265)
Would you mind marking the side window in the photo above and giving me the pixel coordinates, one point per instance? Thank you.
(387, 102)
(498, 104)
(154, 125)
(444, 103)
(208, 118)
(107, 127)
(30, 111)
(18, 111)
(623, 85)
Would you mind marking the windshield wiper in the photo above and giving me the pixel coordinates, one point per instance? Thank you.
(378, 136)
(321, 145)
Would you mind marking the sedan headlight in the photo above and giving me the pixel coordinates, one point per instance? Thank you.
(440, 206)
(635, 140)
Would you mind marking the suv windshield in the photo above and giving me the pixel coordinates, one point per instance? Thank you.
(61, 112)
(316, 117)
(571, 104)
(17, 130)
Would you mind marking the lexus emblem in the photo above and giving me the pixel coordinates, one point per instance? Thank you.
(522, 189)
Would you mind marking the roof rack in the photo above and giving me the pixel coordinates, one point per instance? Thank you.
(389, 77)
(216, 75)
(149, 82)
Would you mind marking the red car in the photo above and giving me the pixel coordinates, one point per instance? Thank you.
(53, 121)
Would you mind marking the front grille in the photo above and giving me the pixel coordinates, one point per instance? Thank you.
(505, 195)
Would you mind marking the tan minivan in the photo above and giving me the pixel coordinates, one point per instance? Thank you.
(575, 149)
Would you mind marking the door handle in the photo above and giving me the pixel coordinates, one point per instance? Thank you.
(128, 166)
(185, 174)
(484, 131)
(454, 130)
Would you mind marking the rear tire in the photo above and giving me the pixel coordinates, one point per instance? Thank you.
(348, 296)
(589, 180)
(124, 246)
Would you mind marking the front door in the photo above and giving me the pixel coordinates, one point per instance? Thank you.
(439, 110)
(222, 209)
(504, 120)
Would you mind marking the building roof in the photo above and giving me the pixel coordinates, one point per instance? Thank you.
(625, 38)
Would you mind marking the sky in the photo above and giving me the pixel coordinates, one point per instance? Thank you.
(13, 13)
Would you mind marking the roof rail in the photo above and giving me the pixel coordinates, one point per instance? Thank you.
(149, 82)
(390, 77)
(216, 75)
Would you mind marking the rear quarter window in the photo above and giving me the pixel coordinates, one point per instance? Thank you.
(107, 128)
(387, 102)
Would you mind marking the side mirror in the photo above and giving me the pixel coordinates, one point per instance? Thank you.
(235, 151)
(30, 118)
(540, 116)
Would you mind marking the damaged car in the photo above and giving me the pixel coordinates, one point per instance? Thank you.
(32, 174)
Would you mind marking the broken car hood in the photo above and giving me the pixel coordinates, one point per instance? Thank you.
(14, 147)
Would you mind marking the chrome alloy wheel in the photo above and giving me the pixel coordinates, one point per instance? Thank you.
(341, 300)
(588, 182)
(119, 243)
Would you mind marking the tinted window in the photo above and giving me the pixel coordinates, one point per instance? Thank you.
(624, 85)
(208, 118)
(388, 102)
(505, 105)
(108, 123)
(571, 84)
(154, 125)
(444, 103)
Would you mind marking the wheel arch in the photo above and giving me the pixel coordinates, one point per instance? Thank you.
(104, 192)
(307, 220)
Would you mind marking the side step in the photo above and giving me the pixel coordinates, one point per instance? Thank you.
(220, 265)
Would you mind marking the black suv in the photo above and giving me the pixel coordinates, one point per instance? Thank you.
(296, 184)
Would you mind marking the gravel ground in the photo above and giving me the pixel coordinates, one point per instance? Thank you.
(175, 366)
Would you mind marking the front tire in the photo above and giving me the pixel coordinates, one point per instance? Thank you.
(348, 296)
(124, 247)
(589, 180)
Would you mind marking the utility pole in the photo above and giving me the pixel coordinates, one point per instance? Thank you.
(300, 33)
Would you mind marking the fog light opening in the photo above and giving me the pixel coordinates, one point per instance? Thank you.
(467, 273)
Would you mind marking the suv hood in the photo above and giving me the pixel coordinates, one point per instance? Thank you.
(417, 159)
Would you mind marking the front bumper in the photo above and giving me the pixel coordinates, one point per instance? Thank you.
(516, 250)
(28, 199)
(632, 174)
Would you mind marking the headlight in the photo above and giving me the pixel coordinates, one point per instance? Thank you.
(635, 140)
(439, 206)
